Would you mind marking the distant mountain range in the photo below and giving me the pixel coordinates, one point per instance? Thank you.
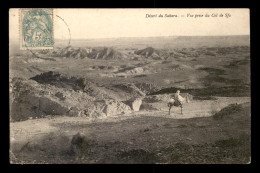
(95, 53)
(155, 42)
(163, 42)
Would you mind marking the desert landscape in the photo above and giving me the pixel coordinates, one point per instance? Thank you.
(105, 101)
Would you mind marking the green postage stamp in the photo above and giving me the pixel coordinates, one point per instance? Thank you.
(36, 28)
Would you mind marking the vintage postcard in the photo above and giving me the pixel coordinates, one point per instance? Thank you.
(129, 86)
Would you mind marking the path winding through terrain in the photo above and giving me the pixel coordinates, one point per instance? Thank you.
(44, 140)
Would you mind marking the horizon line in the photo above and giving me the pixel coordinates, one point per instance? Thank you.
(157, 36)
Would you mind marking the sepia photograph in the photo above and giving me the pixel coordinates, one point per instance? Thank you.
(129, 86)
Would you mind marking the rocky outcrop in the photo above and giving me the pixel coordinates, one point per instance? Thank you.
(29, 99)
(80, 53)
(131, 89)
(152, 53)
(69, 52)
(147, 52)
(32, 105)
(107, 53)
(115, 107)
(69, 82)
(107, 108)
(134, 103)
(147, 88)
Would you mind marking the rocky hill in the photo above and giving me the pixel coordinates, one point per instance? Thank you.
(52, 93)
(92, 53)
(150, 52)
(30, 99)
(107, 53)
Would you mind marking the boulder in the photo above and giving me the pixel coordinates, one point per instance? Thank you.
(107, 108)
(115, 107)
(134, 103)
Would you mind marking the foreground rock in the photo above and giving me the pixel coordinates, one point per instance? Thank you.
(29, 99)
(134, 103)
(107, 108)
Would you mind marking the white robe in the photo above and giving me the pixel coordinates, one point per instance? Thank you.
(179, 98)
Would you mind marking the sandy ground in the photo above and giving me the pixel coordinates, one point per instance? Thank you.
(48, 140)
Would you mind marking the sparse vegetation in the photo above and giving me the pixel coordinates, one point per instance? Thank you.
(233, 108)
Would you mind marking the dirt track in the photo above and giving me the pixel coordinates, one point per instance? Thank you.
(48, 140)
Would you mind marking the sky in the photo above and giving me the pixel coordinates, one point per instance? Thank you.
(114, 23)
